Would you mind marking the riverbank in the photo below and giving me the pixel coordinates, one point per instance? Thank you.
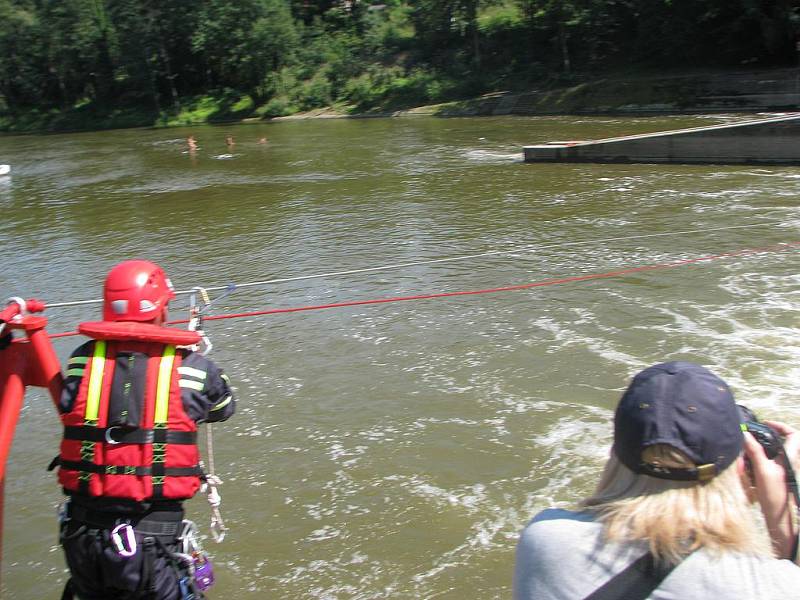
(676, 93)
(679, 93)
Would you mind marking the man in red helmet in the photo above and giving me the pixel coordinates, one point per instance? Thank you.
(133, 397)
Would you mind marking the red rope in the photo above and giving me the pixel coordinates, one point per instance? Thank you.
(526, 286)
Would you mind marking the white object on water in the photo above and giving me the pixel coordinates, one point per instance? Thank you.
(5, 169)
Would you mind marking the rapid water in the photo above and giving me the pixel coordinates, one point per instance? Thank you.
(395, 450)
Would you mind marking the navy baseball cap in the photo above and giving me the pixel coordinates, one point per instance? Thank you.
(685, 406)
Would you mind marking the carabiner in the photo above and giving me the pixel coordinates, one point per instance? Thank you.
(23, 306)
(120, 544)
(196, 318)
(109, 439)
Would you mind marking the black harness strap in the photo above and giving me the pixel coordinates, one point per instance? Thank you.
(161, 523)
(118, 435)
(159, 460)
(147, 584)
(88, 467)
(636, 582)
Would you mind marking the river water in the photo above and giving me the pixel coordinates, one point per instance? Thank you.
(395, 450)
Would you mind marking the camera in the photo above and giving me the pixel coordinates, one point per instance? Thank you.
(765, 435)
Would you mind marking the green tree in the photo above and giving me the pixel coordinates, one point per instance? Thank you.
(22, 70)
(309, 10)
(241, 42)
(447, 27)
(154, 50)
(75, 49)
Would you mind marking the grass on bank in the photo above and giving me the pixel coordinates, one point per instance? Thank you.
(221, 107)
(386, 91)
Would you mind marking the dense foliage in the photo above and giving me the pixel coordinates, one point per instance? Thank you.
(270, 57)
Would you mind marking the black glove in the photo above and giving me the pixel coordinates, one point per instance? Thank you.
(5, 339)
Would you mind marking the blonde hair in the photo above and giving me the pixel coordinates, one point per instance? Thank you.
(676, 518)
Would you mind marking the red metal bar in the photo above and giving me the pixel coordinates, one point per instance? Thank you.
(32, 362)
(9, 312)
(13, 391)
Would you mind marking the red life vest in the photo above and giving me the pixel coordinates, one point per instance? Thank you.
(155, 457)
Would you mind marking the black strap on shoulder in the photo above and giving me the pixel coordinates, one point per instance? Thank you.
(636, 582)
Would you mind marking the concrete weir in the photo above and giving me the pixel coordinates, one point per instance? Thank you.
(773, 141)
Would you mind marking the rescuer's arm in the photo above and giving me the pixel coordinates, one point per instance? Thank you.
(205, 390)
(220, 393)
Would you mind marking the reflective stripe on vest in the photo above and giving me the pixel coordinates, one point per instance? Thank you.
(98, 366)
(162, 389)
(95, 381)
(160, 419)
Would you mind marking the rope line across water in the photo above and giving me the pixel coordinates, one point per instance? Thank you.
(517, 250)
(783, 247)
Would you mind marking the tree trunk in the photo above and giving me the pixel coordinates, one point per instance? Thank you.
(155, 27)
(170, 77)
(472, 20)
(563, 38)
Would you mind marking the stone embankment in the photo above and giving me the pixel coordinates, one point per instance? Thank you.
(745, 91)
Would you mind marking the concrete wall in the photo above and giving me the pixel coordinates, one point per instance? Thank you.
(764, 90)
(766, 141)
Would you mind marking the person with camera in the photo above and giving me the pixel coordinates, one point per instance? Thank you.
(671, 516)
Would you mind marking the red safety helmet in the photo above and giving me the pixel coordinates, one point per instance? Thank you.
(136, 290)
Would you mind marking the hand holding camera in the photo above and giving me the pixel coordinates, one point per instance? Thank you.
(767, 437)
(769, 448)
